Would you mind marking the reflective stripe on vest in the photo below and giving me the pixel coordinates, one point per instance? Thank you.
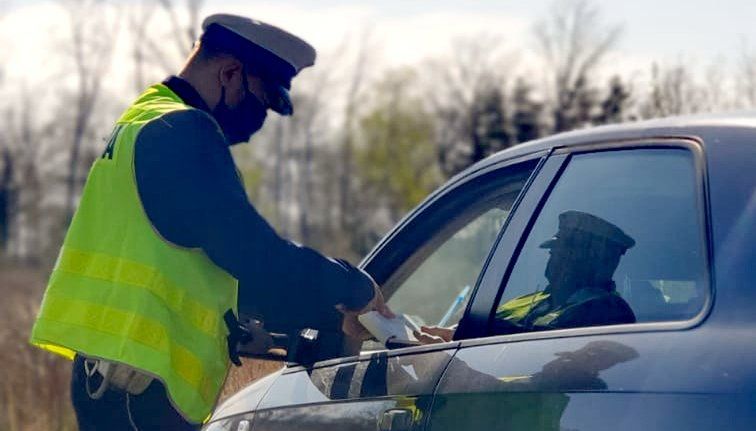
(120, 292)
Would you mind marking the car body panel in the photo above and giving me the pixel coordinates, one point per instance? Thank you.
(247, 399)
(732, 186)
(354, 395)
(560, 381)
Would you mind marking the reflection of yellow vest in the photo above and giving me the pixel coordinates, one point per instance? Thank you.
(516, 310)
(122, 293)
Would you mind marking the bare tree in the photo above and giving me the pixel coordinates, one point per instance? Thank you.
(24, 155)
(139, 20)
(6, 167)
(355, 88)
(293, 143)
(460, 93)
(7, 189)
(715, 89)
(311, 108)
(92, 37)
(166, 49)
(308, 165)
(573, 41)
(279, 182)
(746, 80)
(184, 34)
(673, 92)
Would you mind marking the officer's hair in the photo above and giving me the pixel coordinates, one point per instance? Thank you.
(216, 42)
(205, 51)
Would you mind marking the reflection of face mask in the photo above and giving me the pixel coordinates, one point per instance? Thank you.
(239, 123)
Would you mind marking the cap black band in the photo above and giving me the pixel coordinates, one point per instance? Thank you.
(257, 59)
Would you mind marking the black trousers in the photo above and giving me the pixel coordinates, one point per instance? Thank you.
(116, 410)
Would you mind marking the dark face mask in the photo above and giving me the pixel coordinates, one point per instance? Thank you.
(239, 123)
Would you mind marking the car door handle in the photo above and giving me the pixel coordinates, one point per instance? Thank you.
(395, 420)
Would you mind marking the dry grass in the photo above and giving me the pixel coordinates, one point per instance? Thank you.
(250, 371)
(34, 392)
(34, 385)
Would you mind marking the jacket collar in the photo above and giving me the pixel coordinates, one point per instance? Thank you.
(186, 92)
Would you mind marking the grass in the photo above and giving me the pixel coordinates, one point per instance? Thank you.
(34, 385)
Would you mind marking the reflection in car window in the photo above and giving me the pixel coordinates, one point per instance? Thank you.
(618, 241)
(433, 286)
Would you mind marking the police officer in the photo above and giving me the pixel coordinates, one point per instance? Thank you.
(584, 253)
(150, 263)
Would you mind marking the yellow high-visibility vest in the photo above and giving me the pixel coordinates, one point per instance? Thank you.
(122, 293)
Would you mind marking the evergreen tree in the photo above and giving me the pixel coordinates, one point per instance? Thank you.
(490, 129)
(573, 40)
(613, 107)
(526, 118)
(586, 104)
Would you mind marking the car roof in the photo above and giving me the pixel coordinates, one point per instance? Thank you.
(703, 127)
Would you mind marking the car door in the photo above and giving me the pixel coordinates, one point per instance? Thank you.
(663, 371)
(428, 267)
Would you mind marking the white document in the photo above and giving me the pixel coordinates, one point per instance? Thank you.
(398, 329)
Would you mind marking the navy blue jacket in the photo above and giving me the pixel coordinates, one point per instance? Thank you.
(190, 190)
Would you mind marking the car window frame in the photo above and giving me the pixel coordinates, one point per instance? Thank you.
(454, 186)
(373, 262)
(454, 206)
(477, 330)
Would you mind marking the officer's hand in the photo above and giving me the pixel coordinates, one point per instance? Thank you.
(434, 334)
(352, 327)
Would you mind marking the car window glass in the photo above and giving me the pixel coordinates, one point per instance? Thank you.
(617, 241)
(449, 272)
(435, 283)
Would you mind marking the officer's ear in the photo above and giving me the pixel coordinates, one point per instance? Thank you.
(230, 74)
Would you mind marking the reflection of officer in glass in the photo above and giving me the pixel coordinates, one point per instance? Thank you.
(579, 369)
(538, 401)
(584, 254)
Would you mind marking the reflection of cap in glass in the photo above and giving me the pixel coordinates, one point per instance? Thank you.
(609, 351)
(273, 54)
(576, 223)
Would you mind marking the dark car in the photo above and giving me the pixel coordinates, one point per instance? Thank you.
(670, 205)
